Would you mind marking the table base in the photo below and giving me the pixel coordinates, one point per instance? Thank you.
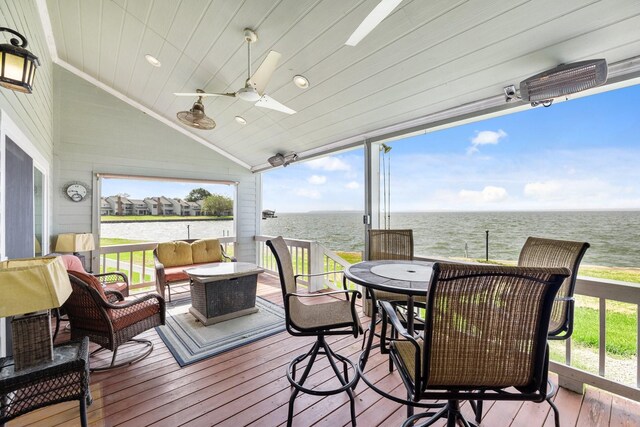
(207, 321)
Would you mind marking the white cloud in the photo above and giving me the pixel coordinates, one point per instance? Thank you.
(547, 190)
(307, 193)
(485, 137)
(489, 194)
(353, 185)
(329, 164)
(317, 179)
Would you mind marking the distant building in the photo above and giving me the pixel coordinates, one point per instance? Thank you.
(140, 207)
(120, 205)
(105, 207)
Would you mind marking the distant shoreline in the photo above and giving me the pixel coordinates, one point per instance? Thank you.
(186, 219)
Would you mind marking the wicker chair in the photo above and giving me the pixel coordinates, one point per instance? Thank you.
(486, 331)
(110, 321)
(384, 245)
(538, 252)
(337, 317)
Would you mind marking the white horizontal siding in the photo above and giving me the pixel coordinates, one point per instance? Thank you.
(99, 133)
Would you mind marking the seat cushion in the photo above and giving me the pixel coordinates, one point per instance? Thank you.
(177, 274)
(122, 318)
(321, 316)
(204, 251)
(117, 286)
(172, 254)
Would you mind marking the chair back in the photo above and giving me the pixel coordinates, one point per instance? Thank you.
(83, 307)
(285, 267)
(390, 244)
(539, 252)
(487, 326)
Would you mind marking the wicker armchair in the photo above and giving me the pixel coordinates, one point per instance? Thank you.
(486, 331)
(384, 245)
(110, 321)
(538, 252)
(337, 317)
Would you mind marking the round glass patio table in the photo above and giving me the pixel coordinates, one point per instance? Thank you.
(410, 278)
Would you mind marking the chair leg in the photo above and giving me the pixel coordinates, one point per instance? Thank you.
(556, 412)
(83, 412)
(321, 347)
(129, 361)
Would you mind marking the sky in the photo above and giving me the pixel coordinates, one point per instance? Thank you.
(579, 154)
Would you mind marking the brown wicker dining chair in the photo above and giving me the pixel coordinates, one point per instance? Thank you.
(303, 318)
(388, 245)
(486, 331)
(110, 321)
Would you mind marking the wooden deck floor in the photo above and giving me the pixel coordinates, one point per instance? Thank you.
(248, 386)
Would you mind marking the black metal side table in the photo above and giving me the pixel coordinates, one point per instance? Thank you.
(66, 378)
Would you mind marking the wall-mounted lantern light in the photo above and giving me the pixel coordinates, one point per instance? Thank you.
(17, 64)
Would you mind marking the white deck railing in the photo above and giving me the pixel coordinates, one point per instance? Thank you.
(310, 257)
(136, 260)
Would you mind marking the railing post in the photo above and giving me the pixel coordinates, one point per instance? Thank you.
(316, 283)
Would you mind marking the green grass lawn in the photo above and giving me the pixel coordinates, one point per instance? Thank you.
(111, 218)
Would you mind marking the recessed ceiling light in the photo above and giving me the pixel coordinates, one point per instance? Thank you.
(241, 120)
(301, 81)
(152, 60)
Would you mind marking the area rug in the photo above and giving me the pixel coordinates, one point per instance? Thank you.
(190, 341)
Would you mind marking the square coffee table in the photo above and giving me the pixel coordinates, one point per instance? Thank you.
(222, 291)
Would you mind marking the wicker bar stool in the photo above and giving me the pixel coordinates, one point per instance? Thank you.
(337, 317)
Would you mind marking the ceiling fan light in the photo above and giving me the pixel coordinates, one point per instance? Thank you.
(153, 60)
(249, 94)
(564, 80)
(301, 81)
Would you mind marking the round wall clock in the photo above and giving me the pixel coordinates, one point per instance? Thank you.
(76, 191)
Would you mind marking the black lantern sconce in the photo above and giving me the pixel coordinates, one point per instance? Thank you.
(17, 64)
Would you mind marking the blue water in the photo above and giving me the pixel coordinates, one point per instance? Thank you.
(614, 235)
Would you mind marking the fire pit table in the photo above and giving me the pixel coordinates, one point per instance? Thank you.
(223, 291)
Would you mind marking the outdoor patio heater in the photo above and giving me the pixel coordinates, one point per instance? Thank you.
(563, 80)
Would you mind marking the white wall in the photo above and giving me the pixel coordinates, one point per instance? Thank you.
(25, 118)
(98, 133)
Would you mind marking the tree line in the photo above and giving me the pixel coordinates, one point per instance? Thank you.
(212, 204)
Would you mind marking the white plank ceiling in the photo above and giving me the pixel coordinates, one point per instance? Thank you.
(426, 57)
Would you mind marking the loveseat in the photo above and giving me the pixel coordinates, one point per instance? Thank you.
(171, 258)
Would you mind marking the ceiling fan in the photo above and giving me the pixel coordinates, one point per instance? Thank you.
(253, 90)
(376, 16)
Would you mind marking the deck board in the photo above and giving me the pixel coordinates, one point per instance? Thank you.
(248, 386)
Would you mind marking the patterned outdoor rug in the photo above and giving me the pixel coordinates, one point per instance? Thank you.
(190, 341)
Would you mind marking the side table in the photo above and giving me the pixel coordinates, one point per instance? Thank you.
(63, 379)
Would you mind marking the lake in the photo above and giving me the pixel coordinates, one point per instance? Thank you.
(614, 235)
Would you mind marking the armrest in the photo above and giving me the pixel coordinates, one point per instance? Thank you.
(135, 302)
(317, 274)
(113, 296)
(353, 291)
(112, 277)
(391, 314)
(227, 257)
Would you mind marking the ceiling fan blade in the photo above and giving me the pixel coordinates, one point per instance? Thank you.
(267, 102)
(231, 94)
(261, 77)
(376, 16)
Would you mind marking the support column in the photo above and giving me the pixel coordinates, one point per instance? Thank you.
(371, 217)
